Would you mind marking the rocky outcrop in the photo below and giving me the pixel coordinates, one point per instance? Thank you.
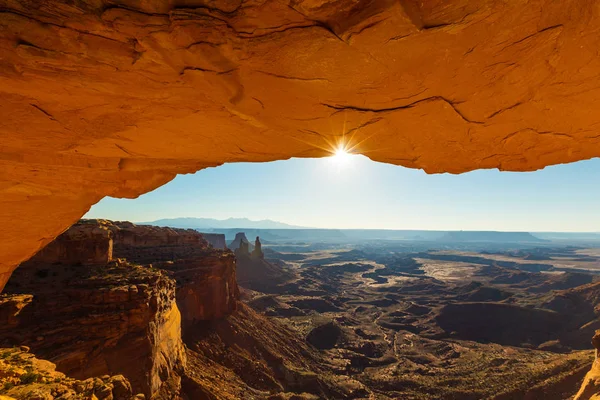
(147, 244)
(257, 252)
(10, 308)
(206, 278)
(216, 240)
(89, 242)
(325, 336)
(23, 376)
(86, 319)
(590, 388)
(259, 274)
(206, 287)
(125, 307)
(240, 243)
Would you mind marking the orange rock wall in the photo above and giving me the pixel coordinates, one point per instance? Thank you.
(82, 244)
(206, 288)
(93, 325)
(115, 97)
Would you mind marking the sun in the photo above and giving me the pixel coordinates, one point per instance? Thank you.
(341, 156)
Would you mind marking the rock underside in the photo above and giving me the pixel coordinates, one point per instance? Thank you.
(116, 97)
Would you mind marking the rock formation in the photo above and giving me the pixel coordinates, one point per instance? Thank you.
(262, 275)
(85, 319)
(590, 388)
(23, 376)
(257, 252)
(116, 98)
(86, 243)
(240, 245)
(216, 240)
(325, 336)
(124, 318)
(206, 286)
(206, 280)
(147, 244)
(125, 308)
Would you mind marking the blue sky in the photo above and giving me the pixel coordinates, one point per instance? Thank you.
(360, 193)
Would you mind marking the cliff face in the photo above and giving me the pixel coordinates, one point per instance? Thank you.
(88, 243)
(206, 277)
(92, 321)
(206, 287)
(92, 316)
(147, 244)
(590, 388)
(23, 376)
(216, 240)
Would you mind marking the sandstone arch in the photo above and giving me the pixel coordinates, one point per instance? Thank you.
(116, 97)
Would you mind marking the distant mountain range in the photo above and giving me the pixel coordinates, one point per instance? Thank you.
(211, 223)
(277, 231)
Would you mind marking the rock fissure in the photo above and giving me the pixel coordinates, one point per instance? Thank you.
(452, 104)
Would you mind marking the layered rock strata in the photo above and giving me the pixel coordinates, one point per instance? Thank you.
(130, 312)
(145, 244)
(206, 287)
(23, 376)
(92, 321)
(85, 243)
(216, 240)
(206, 277)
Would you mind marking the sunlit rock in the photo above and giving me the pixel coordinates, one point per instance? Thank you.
(116, 99)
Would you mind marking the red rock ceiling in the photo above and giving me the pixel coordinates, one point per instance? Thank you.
(101, 97)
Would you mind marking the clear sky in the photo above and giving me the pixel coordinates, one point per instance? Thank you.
(359, 193)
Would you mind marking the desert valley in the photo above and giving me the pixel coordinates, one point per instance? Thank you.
(473, 122)
(122, 311)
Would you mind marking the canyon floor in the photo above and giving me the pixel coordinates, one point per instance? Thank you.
(129, 312)
(409, 323)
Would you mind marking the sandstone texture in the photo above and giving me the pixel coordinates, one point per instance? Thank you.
(92, 318)
(122, 316)
(147, 244)
(116, 97)
(206, 278)
(86, 243)
(23, 376)
(117, 319)
(590, 388)
(206, 287)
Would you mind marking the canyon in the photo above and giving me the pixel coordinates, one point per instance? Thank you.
(116, 97)
(160, 307)
(158, 311)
